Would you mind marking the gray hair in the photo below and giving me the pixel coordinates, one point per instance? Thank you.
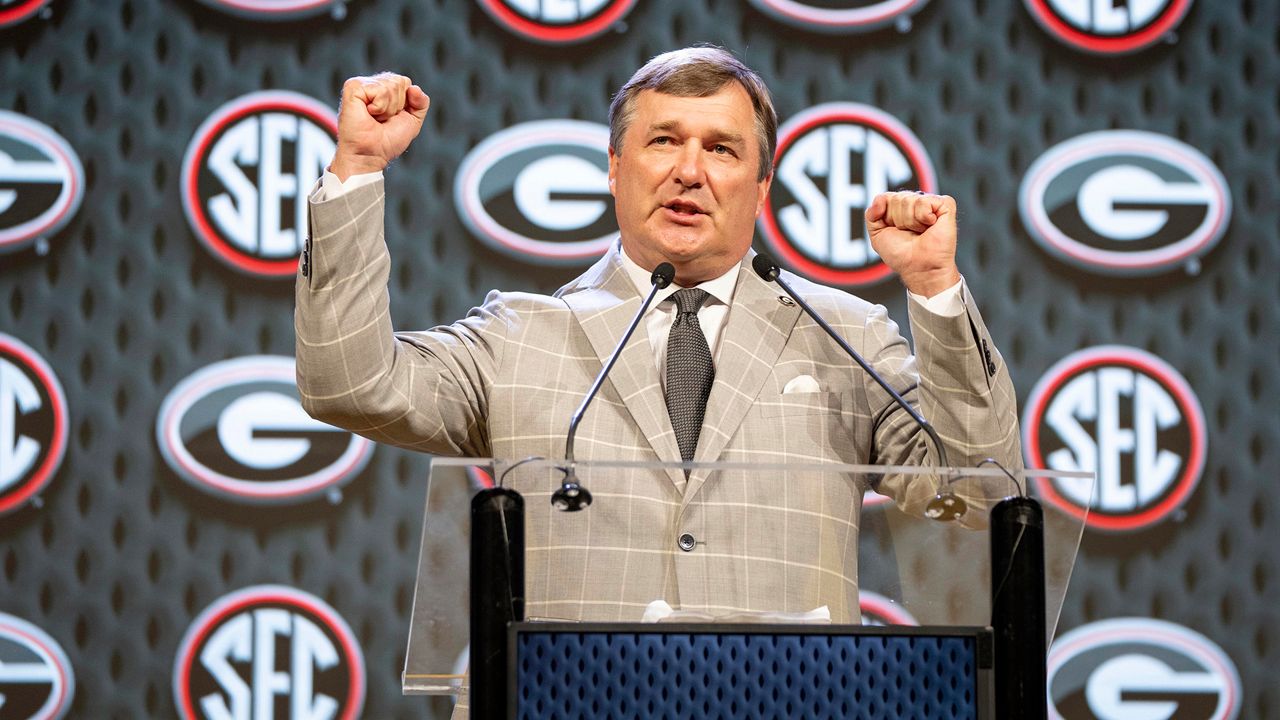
(697, 72)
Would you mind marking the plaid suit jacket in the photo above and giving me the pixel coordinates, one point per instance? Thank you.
(505, 380)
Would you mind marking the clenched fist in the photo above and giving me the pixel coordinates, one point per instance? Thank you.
(915, 235)
(379, 117)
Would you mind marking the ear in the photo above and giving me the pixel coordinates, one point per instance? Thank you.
(762, 192)
(613, 172)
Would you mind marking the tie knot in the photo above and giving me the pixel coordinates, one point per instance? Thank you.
(689, 300)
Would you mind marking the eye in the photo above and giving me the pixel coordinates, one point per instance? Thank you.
(660, 140)
(722, 150)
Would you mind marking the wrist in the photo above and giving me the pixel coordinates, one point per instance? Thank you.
(928, 284)
(344, 165)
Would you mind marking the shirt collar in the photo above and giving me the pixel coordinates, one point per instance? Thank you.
(720, 289)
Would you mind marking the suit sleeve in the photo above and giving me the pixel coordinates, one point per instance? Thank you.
(957, 380)
(965, 388)
(425, 391)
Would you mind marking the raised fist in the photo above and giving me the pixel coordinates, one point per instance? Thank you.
(915, 234)
(379, 117)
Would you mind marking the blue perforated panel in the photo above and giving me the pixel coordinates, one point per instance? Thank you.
(744, 675)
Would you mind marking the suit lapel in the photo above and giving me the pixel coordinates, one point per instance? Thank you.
(757, 329)
(603, 307)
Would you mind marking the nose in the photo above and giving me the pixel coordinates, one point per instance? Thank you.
(689, 169)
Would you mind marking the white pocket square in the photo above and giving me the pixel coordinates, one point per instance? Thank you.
(801, 384)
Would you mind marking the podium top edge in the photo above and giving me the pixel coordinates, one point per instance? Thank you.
(839, 468)
(739, 628)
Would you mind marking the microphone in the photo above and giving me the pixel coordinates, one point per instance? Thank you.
(572, 496)
(945, 504)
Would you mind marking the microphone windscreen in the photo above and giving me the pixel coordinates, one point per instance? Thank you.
(663, 275)
(765, 267)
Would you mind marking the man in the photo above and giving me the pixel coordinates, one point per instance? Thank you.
(693, 136)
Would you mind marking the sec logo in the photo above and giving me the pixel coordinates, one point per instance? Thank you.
(33, 423)
(269, 651)
(831, 161)
(557, 22)
(246, 175)
(36, 679)
(41, 182)
(1131, 668)
(278, 9)
(1108, 28)
(1125, 202)
(236, 429)
(840, 16)
(539, 192)
(1127, 416)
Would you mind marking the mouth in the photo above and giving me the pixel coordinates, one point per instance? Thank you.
(685, 208)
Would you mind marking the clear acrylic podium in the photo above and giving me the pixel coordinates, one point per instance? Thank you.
(917, 564)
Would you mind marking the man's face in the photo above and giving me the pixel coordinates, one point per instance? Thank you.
(684, 182)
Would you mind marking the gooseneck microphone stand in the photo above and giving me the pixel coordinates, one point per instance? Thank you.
(1018, 616)
(497, 549)
(572, 496)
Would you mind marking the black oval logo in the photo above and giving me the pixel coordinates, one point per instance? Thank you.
(246, 175)
(842, 16)
(236, 429)
(1139, 668)
(878, 610)
(539, 191)
(36, 678)
(1125, 202)
(41, 181)
(1109, 28)
(33, 423)
(13, 12)
(278, 9)
(1130, 418)
(832, 159)
(269, 646)
(562, 22)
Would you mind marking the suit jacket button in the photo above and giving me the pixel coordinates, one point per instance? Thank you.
(686, 542)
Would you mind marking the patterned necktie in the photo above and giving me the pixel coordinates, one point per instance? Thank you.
(689, 371)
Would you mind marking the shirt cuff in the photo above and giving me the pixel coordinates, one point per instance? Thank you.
(329, 187)
(948, 303)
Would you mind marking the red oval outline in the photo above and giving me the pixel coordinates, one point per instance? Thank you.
(558, 34)
(238, 600)
(1171, 17)
(61, 425)
(772, 233)
(1189, 405)
(233, 111)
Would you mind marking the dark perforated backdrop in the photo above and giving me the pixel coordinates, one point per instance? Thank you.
(121, 555)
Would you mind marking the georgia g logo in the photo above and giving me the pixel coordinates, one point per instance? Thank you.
(36, 679)
(539, 191)
(840, 16)
(1140, 668)
(557, 22)
(1127, 416)
(1108, 28)
(1125, 202)
(246, 175)
(269, 651)
(831, 161)
(236, 429)
(33, 423)
(41, 181)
